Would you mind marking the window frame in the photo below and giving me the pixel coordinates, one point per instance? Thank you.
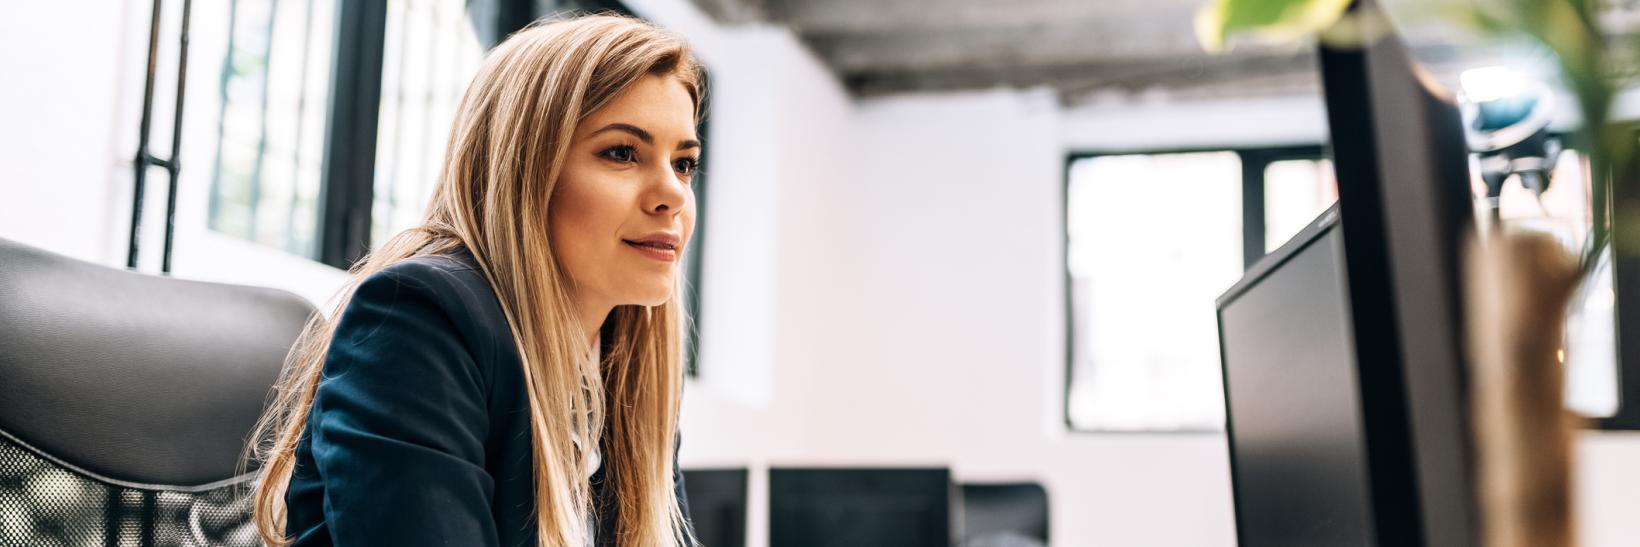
(1254, 161)
(351, 123)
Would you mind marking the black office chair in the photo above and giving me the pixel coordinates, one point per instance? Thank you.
(126, 401)
(717, 504)
(1004, 515)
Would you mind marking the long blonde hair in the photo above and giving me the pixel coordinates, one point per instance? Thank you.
(507, 147)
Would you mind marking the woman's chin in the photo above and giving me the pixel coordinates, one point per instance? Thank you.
(651, 298)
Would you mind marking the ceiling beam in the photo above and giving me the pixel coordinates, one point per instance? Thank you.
(1080, 47)
(1059, 45)
(855, 16)
(1267, 72)
(735, 11)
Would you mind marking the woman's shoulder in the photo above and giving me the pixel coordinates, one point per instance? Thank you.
(447, 290)
(432, 271)
(452, 280)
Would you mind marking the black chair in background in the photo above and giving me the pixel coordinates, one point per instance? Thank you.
(1004, 515)
(717, 505)
(860, 507)
(126, 401)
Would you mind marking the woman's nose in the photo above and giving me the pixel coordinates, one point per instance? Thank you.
(668, 193)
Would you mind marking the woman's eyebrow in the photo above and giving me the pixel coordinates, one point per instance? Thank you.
(644, 135)
(629, 128)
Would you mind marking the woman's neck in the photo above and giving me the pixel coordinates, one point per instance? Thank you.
(593, 315)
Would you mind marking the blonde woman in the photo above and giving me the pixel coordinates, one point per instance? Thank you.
(507, 373)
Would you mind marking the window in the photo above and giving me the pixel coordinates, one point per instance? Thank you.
(275, 78)
(1143, 280)
(1295, 192)
(432, 52)
(1151, 242)
(279, 124)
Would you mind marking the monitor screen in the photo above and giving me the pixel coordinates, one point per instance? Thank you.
(860, 507)
(1298, 454)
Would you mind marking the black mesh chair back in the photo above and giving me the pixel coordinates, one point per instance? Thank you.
(1004, 515)
(126, 401)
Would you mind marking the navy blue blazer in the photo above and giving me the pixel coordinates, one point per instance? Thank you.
(419, 433)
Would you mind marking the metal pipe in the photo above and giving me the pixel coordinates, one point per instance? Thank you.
(172, 166)
(143, 158)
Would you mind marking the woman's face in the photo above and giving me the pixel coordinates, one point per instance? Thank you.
(623, 208)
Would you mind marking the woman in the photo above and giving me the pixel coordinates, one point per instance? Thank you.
(508, 372)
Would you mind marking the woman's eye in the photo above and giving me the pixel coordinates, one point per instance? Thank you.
(623, 153)
(686, 166)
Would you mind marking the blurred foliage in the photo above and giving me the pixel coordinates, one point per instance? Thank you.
(1571, 30)
(1593, 65)
(1276, 21)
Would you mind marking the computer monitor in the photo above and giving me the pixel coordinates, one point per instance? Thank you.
(1404, 212)
(860, 507)
(1292, 395)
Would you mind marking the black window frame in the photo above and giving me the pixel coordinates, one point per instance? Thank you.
(1254, 161)
(348, 172)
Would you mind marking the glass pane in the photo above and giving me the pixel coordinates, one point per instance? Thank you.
(275, 79)
(431, 54)
(1153, 241)
(1295, 192)
(1590, 353)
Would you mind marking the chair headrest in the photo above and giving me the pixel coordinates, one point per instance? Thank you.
(137, 378)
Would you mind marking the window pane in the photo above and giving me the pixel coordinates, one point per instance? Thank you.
(432, 52)
(1153, 240)
(1295, 192)
(274, 84)
(1590, 354)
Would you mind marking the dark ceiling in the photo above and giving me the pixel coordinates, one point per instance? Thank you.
(1079, 47)
(1085, 49)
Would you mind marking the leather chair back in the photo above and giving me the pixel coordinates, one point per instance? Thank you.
(126, 401)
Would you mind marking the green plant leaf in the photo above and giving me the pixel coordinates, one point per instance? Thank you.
(1278, 21)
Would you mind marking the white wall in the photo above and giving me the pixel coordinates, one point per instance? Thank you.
(883, 278)
(940, 339)
(58, 114)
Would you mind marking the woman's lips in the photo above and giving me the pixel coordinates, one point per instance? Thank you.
(655, 251)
